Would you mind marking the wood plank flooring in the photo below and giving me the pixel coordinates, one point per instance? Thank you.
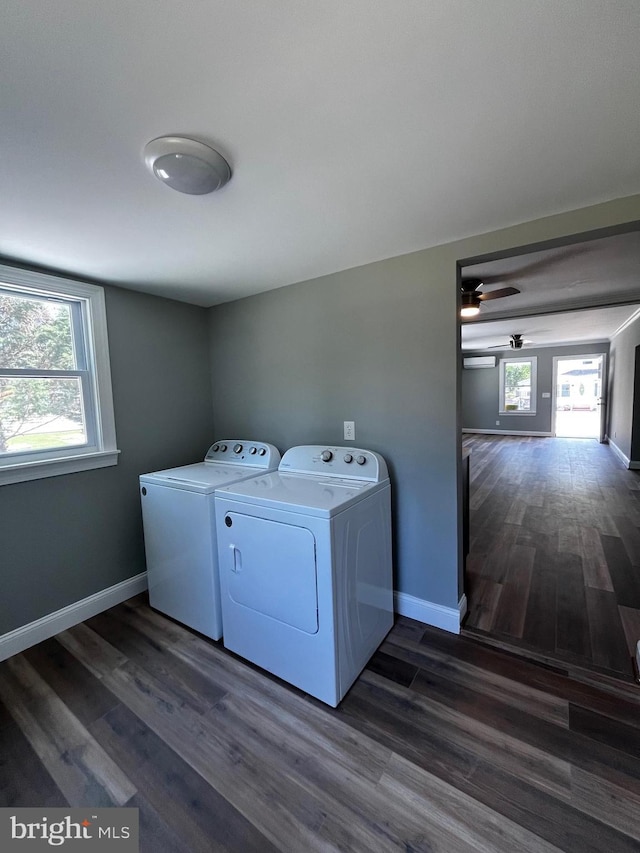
(443, 745)
(554, 559)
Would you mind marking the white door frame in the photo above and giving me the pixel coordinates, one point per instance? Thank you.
(602, 400)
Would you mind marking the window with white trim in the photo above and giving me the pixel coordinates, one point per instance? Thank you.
(56, 406)
(518, 386)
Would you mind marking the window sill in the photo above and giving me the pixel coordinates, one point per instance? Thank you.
(24, 471)
(519, 414)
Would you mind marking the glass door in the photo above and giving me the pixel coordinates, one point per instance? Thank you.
(579, 404)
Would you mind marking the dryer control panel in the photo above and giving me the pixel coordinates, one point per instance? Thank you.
(257, 454)
(343, 462)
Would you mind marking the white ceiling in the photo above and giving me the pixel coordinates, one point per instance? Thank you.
(602, 272)
(593, 325)
(356, 130)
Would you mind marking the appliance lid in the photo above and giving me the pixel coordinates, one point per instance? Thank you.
(226, 461)
(321, 496)
(202, 477)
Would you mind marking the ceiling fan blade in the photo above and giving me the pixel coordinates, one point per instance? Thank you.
(498, 294)
(515, 341)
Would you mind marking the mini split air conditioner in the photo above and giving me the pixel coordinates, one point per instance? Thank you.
(474, 362)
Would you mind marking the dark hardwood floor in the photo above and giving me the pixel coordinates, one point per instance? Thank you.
(443, 744)
(554, 561)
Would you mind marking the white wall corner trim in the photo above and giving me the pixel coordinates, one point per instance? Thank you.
(621, 456)
(48, 626)
(508, 432)
(437, 615)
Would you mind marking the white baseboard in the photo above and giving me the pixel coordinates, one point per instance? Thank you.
(447, 618)
(621, 456)
(48, 626)
(508, 432)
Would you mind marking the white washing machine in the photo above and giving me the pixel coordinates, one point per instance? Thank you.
(305, 566)
(180, 534)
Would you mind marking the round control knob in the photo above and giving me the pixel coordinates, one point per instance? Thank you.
(262, 451)
(361, 460)
(223, 447)
(348, 458)
(253, 451)
(215, 448)
(326, 456)
(237, 448)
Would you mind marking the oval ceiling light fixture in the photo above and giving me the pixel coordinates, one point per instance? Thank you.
(186, 165)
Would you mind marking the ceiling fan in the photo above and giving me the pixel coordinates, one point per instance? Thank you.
(515, 342)
(472, 296)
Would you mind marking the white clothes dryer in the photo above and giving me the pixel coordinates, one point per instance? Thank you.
(305, 566)
(180, 534)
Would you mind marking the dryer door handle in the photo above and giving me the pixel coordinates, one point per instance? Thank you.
(236, 564)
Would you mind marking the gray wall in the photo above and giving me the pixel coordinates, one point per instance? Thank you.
(378, 344)
(481, 390)
(64, 538)
(621, 389)
(348, 347)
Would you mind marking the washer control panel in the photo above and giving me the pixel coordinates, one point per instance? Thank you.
(345, 462)
(257, 454)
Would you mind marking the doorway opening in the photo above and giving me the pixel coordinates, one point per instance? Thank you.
(548, 570)
(578, 402)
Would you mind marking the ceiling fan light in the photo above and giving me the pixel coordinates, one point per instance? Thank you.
(470, 304)
(469, 310)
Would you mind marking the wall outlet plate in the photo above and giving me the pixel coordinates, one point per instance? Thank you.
(349, 430)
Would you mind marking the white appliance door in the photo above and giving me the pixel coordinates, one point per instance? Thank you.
(271, 568)
(179, 538)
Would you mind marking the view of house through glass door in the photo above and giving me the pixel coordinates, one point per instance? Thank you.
(579, 405)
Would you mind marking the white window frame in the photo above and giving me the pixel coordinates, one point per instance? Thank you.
(97, 393)
(533, 360)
